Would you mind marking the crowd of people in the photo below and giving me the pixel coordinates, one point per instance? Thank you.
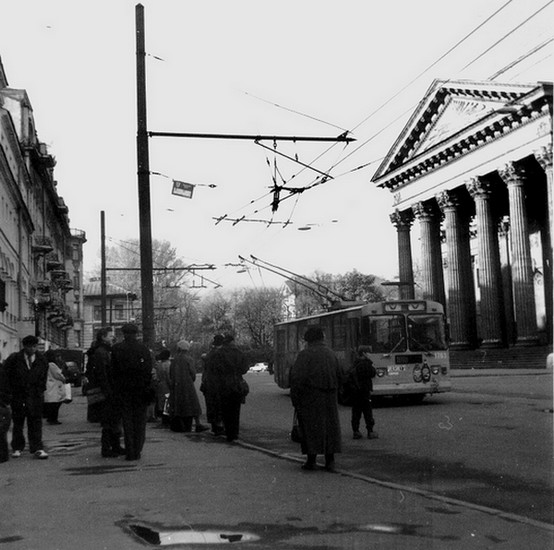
(126, 386)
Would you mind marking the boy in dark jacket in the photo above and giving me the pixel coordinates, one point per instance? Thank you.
(361, 386)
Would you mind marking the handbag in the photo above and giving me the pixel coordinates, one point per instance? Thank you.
(296, 432)
(95, 395)
(243, 389)
(67, 393)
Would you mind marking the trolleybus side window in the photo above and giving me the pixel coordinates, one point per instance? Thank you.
(339, 333)
(387, 333)
(426, 332)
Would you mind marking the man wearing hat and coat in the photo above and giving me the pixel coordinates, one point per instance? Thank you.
(25, 374)
(132, 386)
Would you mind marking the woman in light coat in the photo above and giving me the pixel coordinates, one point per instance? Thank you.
(54, 395)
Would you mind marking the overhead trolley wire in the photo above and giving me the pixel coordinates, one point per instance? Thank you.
(320, 181)
(517, 27)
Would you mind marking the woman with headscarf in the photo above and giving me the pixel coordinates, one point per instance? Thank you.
(314, 382)
(54, 395)
(184, 405)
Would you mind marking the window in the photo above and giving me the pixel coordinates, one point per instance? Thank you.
(339, 333)
(119, 312)
(426, 332)
(384, 333)
(97, 313)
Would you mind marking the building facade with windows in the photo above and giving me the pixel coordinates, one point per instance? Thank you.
(40, 255)
(120, 309)
(473, 168)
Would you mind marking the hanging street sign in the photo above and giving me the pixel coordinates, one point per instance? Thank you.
(182, 189)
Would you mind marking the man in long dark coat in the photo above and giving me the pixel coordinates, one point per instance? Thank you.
(227, 365)
(209, 389)
(314, 382)
(25, 373)
(132, 379)
(184, 406)
(99, 374)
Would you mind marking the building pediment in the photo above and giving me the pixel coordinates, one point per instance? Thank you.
(447, 121)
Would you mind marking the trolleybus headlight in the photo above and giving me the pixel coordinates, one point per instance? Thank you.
(426, 373)
(444, 370)
(435, 369)
(417, 373)
(381, 372)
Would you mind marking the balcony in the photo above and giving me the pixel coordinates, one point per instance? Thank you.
(42, 245)
(53, 261)
(78, 234)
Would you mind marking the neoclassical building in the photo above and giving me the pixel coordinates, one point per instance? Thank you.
(473, 168)
(41, 256)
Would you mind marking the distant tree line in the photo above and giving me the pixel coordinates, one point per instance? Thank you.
(248, 313)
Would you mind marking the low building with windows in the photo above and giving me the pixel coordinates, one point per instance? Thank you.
(121, 308)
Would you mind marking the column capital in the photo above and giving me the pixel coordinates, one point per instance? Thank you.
(402, 220)
(448, 200)
(512, 174)
(544, 157)
(426, 211)
(478, 188)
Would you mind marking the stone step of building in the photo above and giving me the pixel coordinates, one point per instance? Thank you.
(505, 358)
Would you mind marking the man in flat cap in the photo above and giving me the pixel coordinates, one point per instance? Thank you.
(25, 374)
(132, 376)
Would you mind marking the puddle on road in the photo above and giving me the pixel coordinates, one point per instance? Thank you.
(190, 536)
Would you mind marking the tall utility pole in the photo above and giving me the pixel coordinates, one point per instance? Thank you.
(103, 284)
(143, 172)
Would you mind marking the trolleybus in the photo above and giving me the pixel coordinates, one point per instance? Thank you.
(408, 341)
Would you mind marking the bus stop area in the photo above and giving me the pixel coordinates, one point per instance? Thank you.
(196, 490)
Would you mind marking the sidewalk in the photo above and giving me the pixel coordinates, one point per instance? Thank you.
(202, 487)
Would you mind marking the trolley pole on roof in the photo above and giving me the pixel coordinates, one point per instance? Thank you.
(143, 173)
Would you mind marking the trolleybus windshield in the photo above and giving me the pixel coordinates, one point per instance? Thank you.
(385, 333)
(426, 332)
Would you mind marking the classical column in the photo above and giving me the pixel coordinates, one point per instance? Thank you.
(403, 222)
(492, 318)
(428, 216)
(522, 271)
(504, 247)
(460, 292)
(544, 158)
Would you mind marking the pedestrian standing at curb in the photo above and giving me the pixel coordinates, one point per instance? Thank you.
(184, 405)
(228, 364)
(99, 372)
(209, 388)
(314, 382)
(132, 376)
(26, 372)
(54, 395)
(361, 385)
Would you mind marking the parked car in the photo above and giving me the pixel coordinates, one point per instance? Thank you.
(258, 367)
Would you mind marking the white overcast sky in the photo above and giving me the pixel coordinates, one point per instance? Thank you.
(220, 67)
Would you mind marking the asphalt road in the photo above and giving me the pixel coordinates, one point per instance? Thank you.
(488, 442)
